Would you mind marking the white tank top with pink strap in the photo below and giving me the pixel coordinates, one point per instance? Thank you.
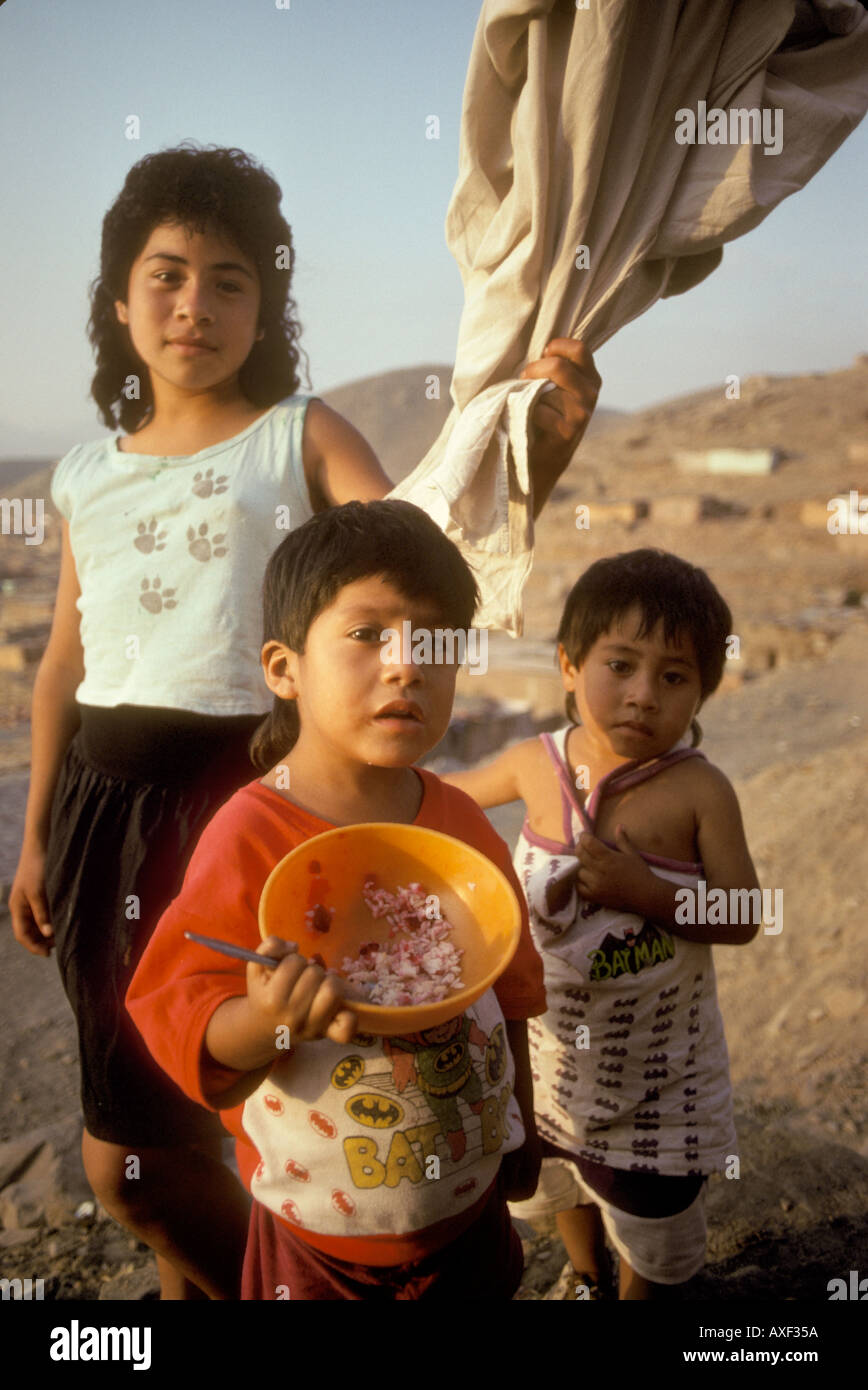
(629, 1063)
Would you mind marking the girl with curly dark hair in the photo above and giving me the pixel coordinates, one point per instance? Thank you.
(150, 687)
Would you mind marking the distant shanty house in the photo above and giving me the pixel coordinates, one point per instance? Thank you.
(753, 461)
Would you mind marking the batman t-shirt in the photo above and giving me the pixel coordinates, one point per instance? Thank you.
(386, 1136)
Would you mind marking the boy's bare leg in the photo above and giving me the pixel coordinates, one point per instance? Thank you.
(581, 1230)
(633, 1287)
(174, 1286)
(185, 1204)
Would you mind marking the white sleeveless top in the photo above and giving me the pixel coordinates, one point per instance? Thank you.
(170, 555)
(646, 1087)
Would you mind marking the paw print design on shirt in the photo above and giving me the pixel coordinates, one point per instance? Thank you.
(202, 547)
(205, 483)
(154, 597)
(149, 538)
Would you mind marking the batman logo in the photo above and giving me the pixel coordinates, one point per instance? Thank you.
(449, 1057)
(611, 1066)
(495, 1055)
(621, 1018)
(662, 1027)
(614, 1052)
(342, 1203)
(694, 1028)
(688, 1109)
(645, 1124)
(599, 1122)
(657, 1057)
(625, 1003)
(631, 953)
(643, 1145)
(647, 1114)
(652, 1093)
(377, 1112)
(667, 993)
(347, 1072)
(571, 1013)
(364, 1040)
(656, 1071)
(581, 996)
(617, 1033)
(598, 1143)
(667, 1009)
(605, 1104)
(690, 1090)
(567, 1075)
(613, 1084)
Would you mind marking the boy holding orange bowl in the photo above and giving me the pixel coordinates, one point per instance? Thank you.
(379, 1168)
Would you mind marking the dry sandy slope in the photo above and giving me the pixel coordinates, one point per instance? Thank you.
(795, 1003)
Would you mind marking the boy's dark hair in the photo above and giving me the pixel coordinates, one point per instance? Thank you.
(203, 190)
(667, 590)
(334, 548)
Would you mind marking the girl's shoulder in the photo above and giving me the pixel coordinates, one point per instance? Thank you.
(77, 469)
(290, 411)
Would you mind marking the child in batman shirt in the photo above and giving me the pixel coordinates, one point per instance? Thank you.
(379, 1167)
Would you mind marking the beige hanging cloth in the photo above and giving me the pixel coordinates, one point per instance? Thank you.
(575, 133)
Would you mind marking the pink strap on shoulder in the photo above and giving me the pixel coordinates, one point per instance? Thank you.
(632, 773)
(569, 801)
(566, 791)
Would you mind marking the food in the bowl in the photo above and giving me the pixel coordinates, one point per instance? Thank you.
(319, 918)
(418, 964)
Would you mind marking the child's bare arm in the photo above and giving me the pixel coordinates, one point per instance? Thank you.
(54, 719)
(725, 856)
(521, 1168)
(339, 464)
(243, 1032)
(494, 783)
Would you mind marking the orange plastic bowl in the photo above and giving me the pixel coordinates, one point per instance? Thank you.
(331, 868)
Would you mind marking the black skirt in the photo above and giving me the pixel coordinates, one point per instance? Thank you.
(136, 789)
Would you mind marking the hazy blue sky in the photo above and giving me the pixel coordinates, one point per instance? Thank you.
(332, 96)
